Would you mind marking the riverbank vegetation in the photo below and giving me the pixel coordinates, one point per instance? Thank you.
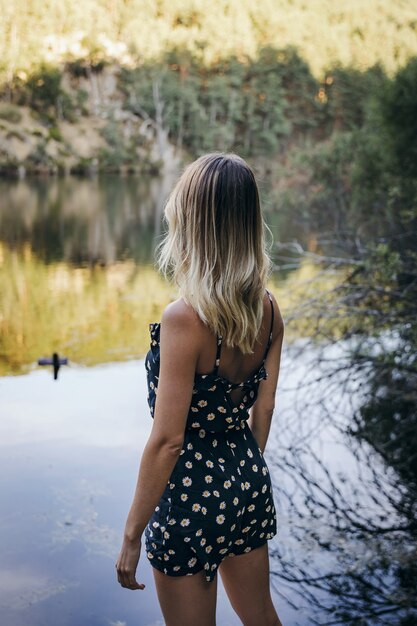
(140, 87)
(365, 181)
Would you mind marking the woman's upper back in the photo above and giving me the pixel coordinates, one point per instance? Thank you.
(226, 381)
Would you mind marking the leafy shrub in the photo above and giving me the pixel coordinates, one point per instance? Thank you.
(55, 133)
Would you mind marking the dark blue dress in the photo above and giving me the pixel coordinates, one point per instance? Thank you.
(218, 501)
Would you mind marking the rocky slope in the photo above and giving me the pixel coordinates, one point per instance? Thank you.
(99, 135)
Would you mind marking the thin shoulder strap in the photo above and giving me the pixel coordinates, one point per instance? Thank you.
(219, 349)
(268, 345)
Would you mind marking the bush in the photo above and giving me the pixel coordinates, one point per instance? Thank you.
(55, 133)
(44, 88)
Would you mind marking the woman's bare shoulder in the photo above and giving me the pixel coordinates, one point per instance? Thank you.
(180, 316)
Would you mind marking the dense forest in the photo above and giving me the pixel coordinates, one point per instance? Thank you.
(139, 74)
(354, 33)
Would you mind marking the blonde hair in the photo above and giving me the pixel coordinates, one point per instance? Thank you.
(215, 246)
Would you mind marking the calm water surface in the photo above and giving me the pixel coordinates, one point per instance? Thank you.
(77, 277)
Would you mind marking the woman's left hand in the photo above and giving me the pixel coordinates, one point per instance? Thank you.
(127, 564)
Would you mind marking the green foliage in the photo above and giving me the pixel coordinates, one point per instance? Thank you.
(43, 88)
(120, 152)
(43, 93)
(354, 33)
(346, 91)
(250, 106)
(399, 109)
(55, 133)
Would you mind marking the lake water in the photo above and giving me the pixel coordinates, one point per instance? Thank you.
(77, 277)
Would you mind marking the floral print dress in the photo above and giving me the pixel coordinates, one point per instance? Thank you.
(218, 501)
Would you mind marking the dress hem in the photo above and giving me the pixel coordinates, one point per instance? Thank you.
(211, 577)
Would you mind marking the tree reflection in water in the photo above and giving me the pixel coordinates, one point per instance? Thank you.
(74, 267)
(350, 550)
(76, 274)
(84, 221)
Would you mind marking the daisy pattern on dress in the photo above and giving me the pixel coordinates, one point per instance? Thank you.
(217, 437)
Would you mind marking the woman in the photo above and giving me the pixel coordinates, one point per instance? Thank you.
(203, 499)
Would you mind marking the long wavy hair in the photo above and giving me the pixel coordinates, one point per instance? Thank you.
(214, 249)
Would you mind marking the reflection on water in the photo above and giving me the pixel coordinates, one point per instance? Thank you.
(84, 221)
(348, 547)
(68, 464)
(69, 455)
(76, 269)
(76, 276)
(90, 315)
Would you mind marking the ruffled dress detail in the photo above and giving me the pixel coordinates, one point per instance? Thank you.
(218, 501)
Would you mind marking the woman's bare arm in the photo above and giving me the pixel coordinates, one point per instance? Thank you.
(262, 411)
(179, 353)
